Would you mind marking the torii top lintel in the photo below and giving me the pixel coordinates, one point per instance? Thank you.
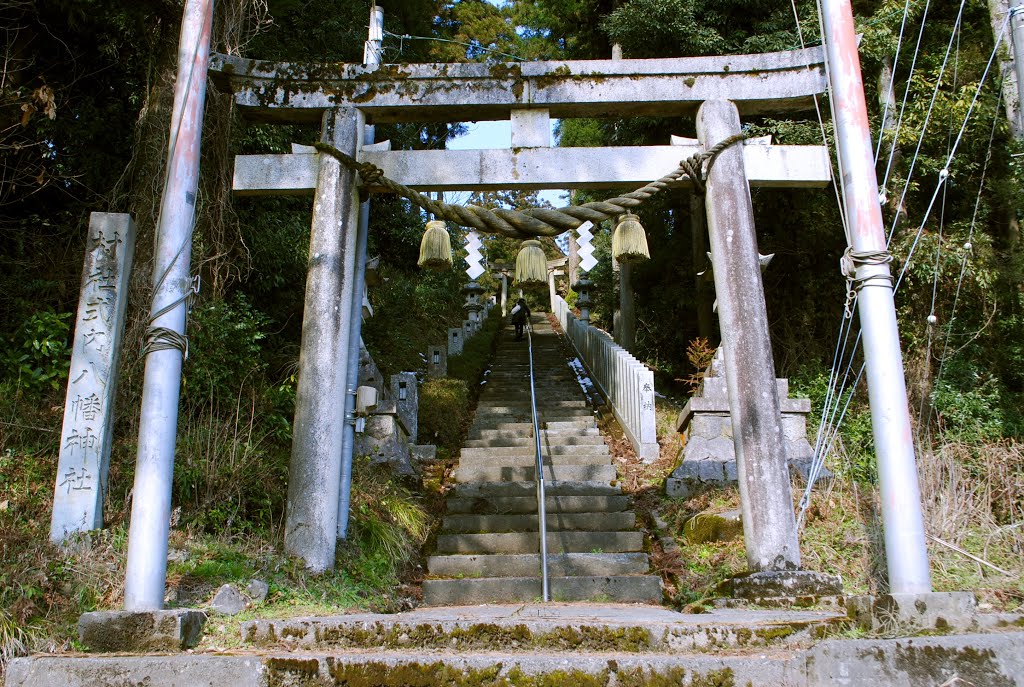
(291, 92)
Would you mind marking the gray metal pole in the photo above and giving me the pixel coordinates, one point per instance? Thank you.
(905, 550)
(542, 508)
(371, 57)
(146, 572)
(1017, 33)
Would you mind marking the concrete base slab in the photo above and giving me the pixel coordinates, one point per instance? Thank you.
(399, 669)
(908, 613)
(781, 583)
(168, 630)
(606, 627)
(993, 660)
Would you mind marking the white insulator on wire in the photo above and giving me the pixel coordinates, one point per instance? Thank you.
(968, 246)
(883, 197)
(943, 173)
(932, 320)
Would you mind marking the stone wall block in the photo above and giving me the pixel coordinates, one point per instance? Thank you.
(722, 449)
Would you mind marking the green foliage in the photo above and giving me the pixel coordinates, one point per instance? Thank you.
(388, 524)
(444, 412)
(476, 354)
(676, 28)
(37, 356)
(225, 339)
(419, 305)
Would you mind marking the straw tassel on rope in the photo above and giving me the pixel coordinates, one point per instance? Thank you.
(629, 242)
(435, 247)
(531, 265)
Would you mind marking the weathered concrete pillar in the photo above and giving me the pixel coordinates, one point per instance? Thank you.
(504, 294)
(87, 435)
(551, 289)
(625, 328)
(769, 527)
(315, 470)
(574, 258)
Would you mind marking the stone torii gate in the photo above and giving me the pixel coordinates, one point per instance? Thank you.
(344, 98)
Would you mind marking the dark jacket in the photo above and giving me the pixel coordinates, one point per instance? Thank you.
(524, 312)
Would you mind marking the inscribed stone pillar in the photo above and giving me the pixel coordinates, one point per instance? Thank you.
(437, 361)
(315, 468)
(455, 341)
(404, 391)
(87, 434)
(769, 527)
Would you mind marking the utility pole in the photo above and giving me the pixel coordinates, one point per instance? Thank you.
(1017, 35)
(1011, 61)
(146, 572)
(905, 549)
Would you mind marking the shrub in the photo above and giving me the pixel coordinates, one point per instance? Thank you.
(444, 411)
(38, 356)
(477, 354)
(224, 349)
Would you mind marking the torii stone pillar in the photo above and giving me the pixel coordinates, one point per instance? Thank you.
(504, 294)
(625, 328)
(769, 528)
(315, 468)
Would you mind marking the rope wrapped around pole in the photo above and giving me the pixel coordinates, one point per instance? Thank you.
(533, 222)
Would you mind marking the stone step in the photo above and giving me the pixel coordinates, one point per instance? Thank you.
(563, 411)
(527, 427)
(528, 504)
(524, 522)
(528, 565)
(487, 434)
(578, 629)
(569, 425)
(568, 541)
(521, 429)
(544, 419)
(617, 589)
(575, 473)
(555, 398)
(531, 459)
(528, 488)
(546, 441)
(516, 451)
(505, 402)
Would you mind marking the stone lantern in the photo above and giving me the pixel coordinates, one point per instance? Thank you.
(584, 301)
(473, 306)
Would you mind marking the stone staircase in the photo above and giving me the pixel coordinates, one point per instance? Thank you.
(487, 551)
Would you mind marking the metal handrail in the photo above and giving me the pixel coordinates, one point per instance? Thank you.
(542, 516)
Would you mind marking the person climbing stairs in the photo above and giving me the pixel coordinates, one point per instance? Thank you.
(487, 551)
